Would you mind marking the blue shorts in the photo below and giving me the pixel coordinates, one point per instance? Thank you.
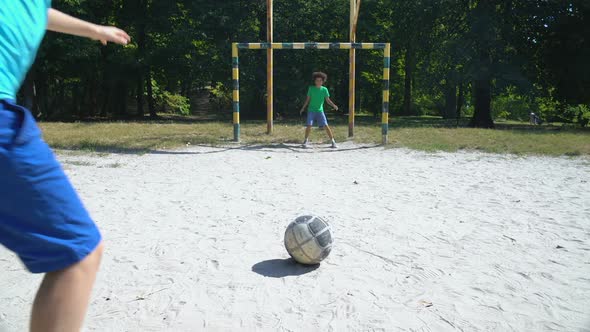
(318, 118)
(41, 217)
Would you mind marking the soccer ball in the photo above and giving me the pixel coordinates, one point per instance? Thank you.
(308, 239)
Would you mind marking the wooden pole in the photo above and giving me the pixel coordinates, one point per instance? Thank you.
(357, 12)
(354, 15)
(269, 68)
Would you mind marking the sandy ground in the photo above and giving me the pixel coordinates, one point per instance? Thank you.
(423, 242)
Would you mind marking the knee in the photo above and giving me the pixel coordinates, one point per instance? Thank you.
(92, 261)
(87, 267)
(99, 250)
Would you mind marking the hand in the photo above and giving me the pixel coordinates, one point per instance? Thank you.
(302, 110)
(335, 108)
(107, 34)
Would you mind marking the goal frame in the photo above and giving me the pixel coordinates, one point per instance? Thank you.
(386, 47)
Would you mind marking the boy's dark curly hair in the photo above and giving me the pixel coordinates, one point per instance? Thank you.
(319, 74)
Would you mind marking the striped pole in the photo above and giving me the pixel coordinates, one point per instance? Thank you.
(269, 69)
(313, 46)
(385, 114)
(351, 71)
(236, 92)
(351, 92)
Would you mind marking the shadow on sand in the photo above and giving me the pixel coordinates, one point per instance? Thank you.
(280, 268)
(279, 147)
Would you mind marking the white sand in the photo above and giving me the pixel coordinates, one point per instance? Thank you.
(194, 241)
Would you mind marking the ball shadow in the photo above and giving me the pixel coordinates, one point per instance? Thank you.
(280, 268)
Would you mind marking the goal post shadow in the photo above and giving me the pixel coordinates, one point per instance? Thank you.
(386, 47)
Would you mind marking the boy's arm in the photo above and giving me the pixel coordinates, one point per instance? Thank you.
(305, 104)
(60, 22)
(329, 101)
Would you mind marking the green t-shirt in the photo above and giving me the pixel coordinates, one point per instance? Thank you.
(317, 97)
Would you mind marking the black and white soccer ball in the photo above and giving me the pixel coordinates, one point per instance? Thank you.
(308, 239)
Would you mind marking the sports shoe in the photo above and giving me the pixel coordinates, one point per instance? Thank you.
(305, 144)
(334, 146)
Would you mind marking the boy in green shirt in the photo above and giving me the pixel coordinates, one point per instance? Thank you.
(316, 96)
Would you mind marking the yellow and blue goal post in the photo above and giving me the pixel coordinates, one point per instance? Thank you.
(386, 47)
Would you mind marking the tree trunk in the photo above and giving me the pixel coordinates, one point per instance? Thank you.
(48, 96)
(59, 102)
(42, 103)
(93, 98)
(121, 98)
(76, 101)
(450, 100)
(408, 72)
(482, 117)
(28, 92)
(106, 97)
(460, 100)
(141, 36)
(482, 87)
(150, 94)
(105, 83)
(376, 109)
(139, 95)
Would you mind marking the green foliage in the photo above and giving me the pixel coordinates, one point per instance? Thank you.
(580, 114)
(170, 102)
(177, 103)
(549, 109)
(220, 96)
(512, 106)
(426, 104)
(529, 56)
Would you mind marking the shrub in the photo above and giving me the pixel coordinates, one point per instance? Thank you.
(170, 102)
(512, 106)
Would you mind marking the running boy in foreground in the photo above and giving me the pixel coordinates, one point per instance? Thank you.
(316, 96)
(41, 217)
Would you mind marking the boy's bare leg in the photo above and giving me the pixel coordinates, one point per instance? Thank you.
(307, 132)
(63, 297)
(331, 135)
(329, 132)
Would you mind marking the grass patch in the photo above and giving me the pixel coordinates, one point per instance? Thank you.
(426, 134)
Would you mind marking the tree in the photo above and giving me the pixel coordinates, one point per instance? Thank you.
(446, 54)
(484, 36)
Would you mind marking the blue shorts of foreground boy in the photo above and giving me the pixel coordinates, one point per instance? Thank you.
(317, 118)
(42, 219)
